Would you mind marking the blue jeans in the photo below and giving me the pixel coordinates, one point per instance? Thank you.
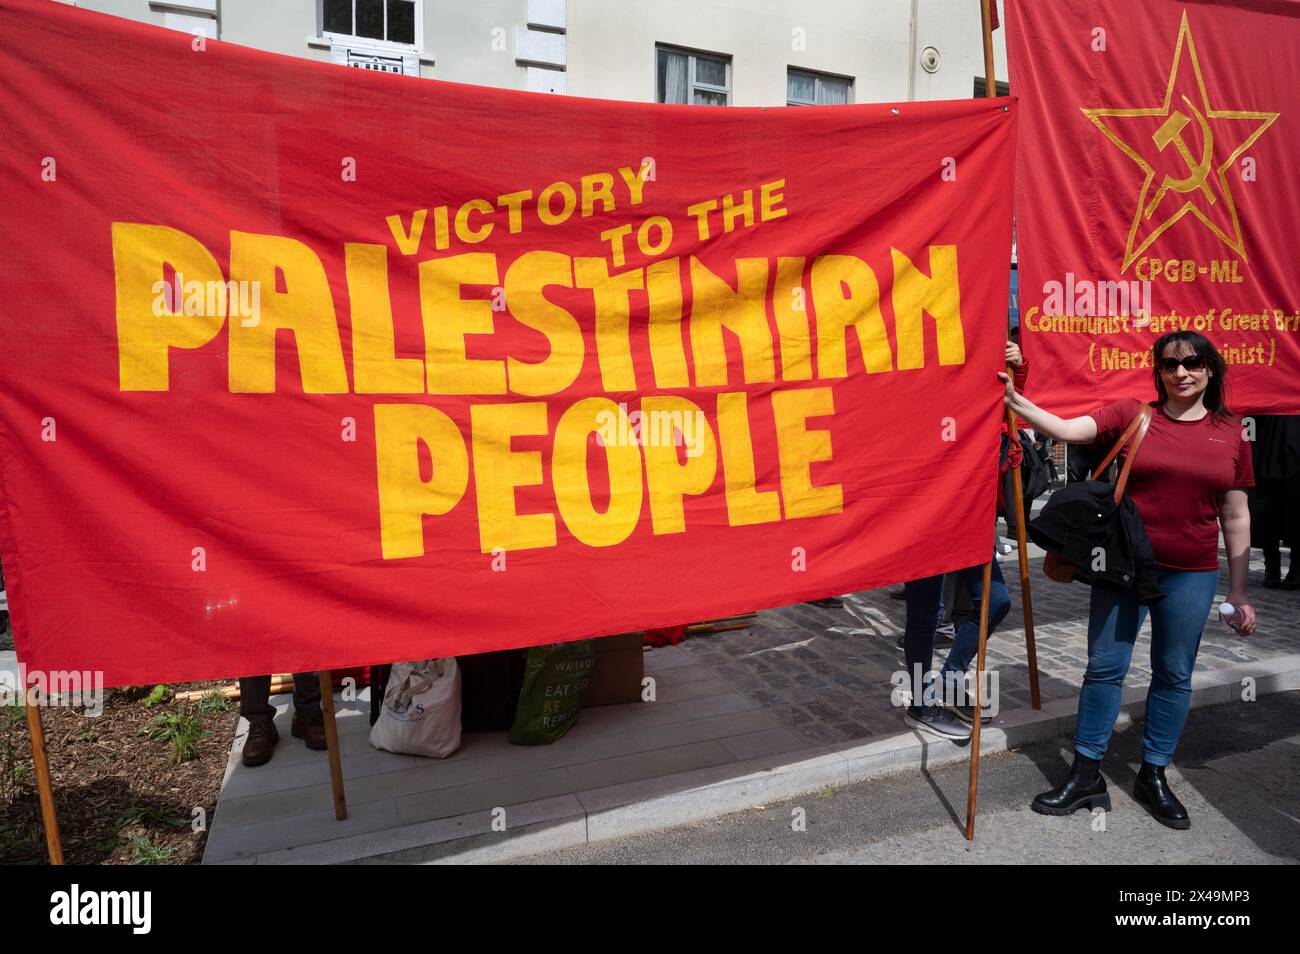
(924, 602)
(923, 598)
(1114, 619)
(967, 641)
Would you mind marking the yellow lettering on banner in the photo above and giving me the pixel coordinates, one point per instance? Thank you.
(448, 318)
(305, 308)
(375, 367)
(701, 212)
(668, 479)
(404, 496)
(408, 242)
(463, 231)
(499, 469)
(797, 447)
(144, 339)
(597, 187)
(635, 184)
(935, 295)
(732, 211)
(837, 310)
(526, 279)
(665, 229)
(613, 314)
(745, 504)
(441, 237)
(513, 203)
(667, 353)
(741, 311)
(570, 201)
(770, 198)
(615, 238)
(789, 303)
(573, 489)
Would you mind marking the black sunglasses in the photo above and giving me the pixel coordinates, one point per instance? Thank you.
(1193, 362)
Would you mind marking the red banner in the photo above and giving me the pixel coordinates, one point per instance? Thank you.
(1157, 191)
(311, 367)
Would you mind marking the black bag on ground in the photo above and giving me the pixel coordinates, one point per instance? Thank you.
(490, 684)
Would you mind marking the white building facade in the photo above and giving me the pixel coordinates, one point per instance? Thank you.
(708, 52)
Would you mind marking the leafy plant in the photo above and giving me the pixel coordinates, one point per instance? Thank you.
(183, 731)
(14, 771)
(157, 695)
(145, 852)
(152, 815)
(213, 702)
(137, 818)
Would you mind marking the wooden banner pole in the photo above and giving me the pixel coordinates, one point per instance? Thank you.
(990, 81)
(1013, 427)
(1026, 595)
(332, 743)
(972, 784)
(44, 785)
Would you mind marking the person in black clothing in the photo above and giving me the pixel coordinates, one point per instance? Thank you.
(255, 706)
(1275, 499)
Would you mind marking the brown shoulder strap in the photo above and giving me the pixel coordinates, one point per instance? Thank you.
(1135, 432)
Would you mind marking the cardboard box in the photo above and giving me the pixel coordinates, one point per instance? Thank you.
(617, 672)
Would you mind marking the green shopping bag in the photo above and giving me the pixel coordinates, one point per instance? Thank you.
(555, 678)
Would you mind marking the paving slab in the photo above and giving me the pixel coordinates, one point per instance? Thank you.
(799, 701)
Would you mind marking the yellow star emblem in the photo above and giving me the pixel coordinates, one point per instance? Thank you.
(1191, 187)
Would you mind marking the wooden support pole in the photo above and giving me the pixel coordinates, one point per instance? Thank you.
(990, 81)
(972, 784)
(332, 743)
(1026, 594)
(1022, 544)
(44, 785)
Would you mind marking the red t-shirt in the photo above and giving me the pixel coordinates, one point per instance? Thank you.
(1178, 476)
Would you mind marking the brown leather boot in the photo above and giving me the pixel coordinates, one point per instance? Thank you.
(260, 744)
(310, 727)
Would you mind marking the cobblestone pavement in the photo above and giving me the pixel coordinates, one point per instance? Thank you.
(825, 673)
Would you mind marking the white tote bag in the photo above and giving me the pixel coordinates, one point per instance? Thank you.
(421, 712)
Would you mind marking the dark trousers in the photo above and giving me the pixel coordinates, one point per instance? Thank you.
(918, 632)
(923, 598)
(255, 693)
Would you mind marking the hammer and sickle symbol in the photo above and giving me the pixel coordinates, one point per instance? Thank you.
(1172, 132)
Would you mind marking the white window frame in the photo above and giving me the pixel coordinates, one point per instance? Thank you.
(361, 42)
(817, 88)
(691, 84)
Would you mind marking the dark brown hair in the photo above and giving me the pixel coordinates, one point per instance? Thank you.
(1216, 391)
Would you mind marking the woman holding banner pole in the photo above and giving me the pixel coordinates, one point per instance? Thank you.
(1188, 481)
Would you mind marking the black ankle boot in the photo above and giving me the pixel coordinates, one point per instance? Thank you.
(1273, 570)
(1083, 788)
(1152, 790)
